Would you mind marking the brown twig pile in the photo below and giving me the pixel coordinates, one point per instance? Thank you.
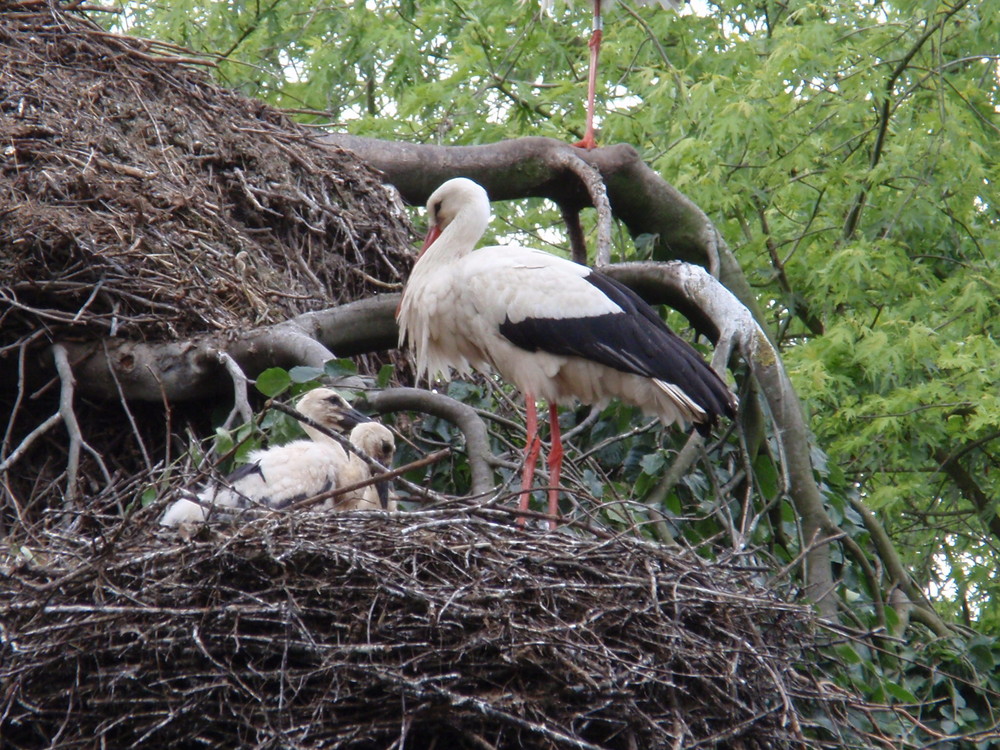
(438, 628)
(141, 200)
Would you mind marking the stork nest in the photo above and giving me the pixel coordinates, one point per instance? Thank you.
(437, 628)
(141, 200)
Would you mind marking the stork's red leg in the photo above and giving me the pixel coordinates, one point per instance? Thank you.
(531, 449)
(555, 463)
(589, 141)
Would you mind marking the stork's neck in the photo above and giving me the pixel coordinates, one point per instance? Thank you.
(315, 434)
(461, 235)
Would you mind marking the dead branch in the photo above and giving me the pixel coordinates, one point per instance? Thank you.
(477, 442)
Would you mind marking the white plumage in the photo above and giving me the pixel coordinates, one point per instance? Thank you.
(282, 475)
(558, 330)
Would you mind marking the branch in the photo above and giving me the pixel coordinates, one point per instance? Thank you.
(185, 370)
(76, 441)
(532, 167)
(898, 572)
(966, 483)
(241, 404)
(477, 441)
(884, 115)
(591, 178)
(713, 310)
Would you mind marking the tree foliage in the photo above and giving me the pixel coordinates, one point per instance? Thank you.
(847, 151)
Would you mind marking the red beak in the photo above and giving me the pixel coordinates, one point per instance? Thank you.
(432, 234)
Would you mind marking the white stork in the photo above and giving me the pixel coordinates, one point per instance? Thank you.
(597, 32)
(558, 330)
(285, 474)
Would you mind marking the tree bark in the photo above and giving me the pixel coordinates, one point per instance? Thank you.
(713, 310)
(536, 167)
(185, 370)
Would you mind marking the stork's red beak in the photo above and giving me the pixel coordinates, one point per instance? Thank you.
(432, 234)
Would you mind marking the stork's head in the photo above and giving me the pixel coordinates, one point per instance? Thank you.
(330, 409)
(460, 199)
(375, 440)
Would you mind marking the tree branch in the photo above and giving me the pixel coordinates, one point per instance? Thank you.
(529, 167)
(716, 312)
(185, 370)
(477, 441)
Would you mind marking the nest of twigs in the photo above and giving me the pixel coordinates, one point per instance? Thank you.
(438, 628)
(141, 200)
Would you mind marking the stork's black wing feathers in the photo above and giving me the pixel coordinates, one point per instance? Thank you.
(244, 471)
(635, 341)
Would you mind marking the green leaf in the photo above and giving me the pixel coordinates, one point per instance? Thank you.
(900, 693)
(304, 374)
(223, 441)
(148, 496)
(385, 374)
(340, 368)
(847, 653)
(767, 475)
(273, 381)
(653, 463)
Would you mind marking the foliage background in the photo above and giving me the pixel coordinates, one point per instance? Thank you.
(847, 151)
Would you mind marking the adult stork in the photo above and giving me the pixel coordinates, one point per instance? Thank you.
(558, 330)
(282, 475)
(596, 35)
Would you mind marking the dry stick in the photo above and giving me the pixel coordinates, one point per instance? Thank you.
(241, 404)
(128, 413)
(76, 441)
(516, 513)
(592, 179)
(331, 494)
(29, 439)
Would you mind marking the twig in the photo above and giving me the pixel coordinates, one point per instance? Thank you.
(128, 413)
(29, 439)
(76, 441)
(593, 181)
(241, 404)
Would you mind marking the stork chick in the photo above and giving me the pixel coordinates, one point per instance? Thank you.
(285, 474)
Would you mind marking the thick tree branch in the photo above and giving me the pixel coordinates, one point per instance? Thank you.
(716, 312)
(184, 370)
(477, 441)
(536, 167)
